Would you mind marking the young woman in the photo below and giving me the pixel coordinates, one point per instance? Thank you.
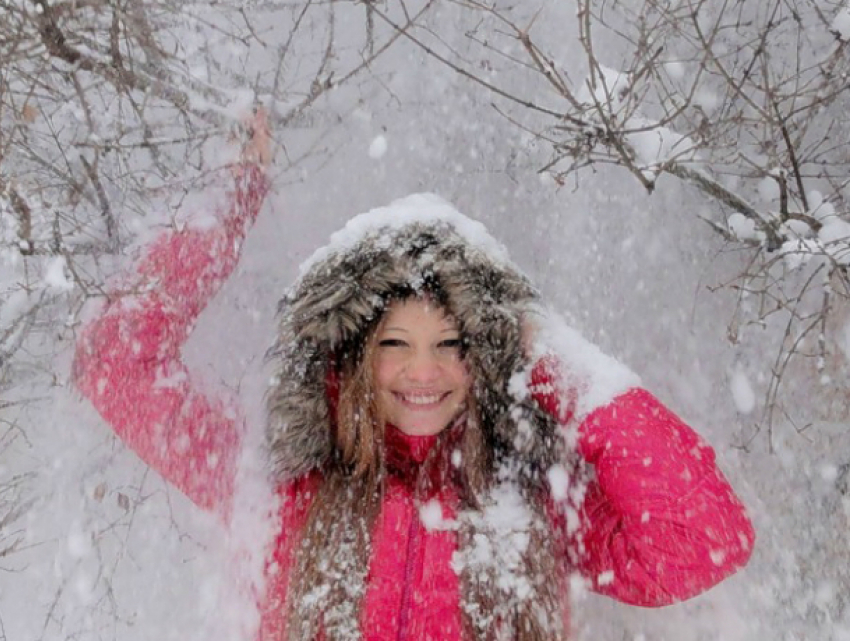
(449, 457)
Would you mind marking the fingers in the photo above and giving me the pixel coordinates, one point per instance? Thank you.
(258, 148)
(528, 332)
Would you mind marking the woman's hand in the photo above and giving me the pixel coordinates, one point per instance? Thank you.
(528, 333)
(257, 149)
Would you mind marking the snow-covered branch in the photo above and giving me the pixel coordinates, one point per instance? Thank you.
(706, 93)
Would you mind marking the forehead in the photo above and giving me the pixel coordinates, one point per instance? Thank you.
(417, 313)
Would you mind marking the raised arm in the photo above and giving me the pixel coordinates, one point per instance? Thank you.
(659, 523)
(128, 364)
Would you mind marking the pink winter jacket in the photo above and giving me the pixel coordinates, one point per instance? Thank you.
(660, 523)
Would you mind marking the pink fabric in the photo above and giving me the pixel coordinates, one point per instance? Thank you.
(413, 591)
(660, 523)
(127, 361)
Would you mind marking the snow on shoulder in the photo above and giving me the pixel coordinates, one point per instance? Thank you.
(595, 377)
(423, 208)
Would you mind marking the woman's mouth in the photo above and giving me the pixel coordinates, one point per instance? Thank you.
(421, 401)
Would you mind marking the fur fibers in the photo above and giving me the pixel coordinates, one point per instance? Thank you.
(342, 297)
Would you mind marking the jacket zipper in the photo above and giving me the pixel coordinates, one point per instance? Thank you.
(413, 536)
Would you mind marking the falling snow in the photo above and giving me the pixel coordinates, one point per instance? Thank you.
(107, 549)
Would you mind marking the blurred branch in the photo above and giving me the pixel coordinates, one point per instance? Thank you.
(24, 214)
(105, 209)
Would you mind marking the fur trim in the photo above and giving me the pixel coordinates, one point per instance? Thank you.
(343, 294)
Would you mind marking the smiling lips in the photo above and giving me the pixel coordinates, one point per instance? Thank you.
(421, 401)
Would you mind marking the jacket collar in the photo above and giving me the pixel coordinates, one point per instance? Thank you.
(405, 454)
(405, 449)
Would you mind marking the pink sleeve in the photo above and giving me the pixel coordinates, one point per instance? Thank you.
(127, 361)
(659, 522)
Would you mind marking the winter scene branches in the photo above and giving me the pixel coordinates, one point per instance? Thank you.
(673, 175)
(743, 103)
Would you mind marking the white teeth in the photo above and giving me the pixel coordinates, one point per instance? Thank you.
(422, 400)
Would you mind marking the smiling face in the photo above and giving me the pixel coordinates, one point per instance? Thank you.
(420, 379)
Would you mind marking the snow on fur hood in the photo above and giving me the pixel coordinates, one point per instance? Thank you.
(343, 290)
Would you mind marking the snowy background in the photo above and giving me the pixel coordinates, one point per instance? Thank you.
(95, 546)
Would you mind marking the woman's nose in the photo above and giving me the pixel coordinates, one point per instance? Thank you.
(423, 367)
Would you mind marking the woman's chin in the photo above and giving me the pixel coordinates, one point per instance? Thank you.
(421, 424)
(421, 428)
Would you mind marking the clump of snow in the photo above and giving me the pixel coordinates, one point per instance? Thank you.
(835, 236)
(744, 228)
(798, 251)
(829, 472)
(378, 147)
(605, 578)
(795, 228)
(594, 377)
(768, 189)
(421, 208)
(717, 556)
(742, 392)
(457, 458)
(841, 24)
(832, 241)
(675, 69)
(55, 276)
(823, 211)
(579, 585)
(518, 385)
(559, 482)
(431, 515)
(706, 99)
(497, 552)
(605, 86)
(608, 89)
(655, 144)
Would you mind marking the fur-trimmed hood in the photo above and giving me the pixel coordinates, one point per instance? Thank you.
(342, 292)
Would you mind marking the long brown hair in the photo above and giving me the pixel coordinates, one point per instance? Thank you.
(328, 582)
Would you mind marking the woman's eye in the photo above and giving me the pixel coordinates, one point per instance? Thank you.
(392, 342)
(451, 343)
